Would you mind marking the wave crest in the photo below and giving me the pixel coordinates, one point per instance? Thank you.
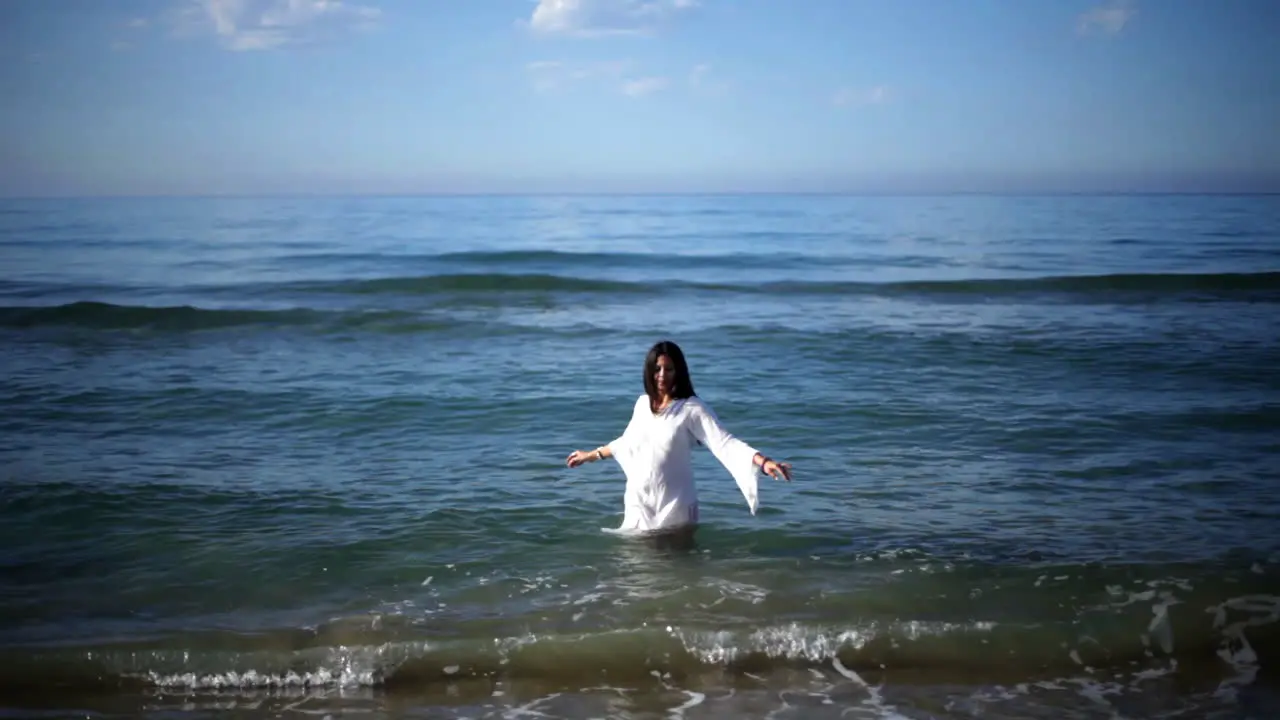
(996, 652)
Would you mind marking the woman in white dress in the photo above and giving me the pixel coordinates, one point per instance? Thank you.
(656, 450)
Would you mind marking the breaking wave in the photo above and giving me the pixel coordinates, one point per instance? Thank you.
(1225, 642)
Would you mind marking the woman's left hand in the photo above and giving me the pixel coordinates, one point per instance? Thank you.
(776, 470)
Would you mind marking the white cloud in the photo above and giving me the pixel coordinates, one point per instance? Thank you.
(595, 18)
(698, 73)
(266, 24)
(643, 86)
(550, 75)
(1107, 19)
(127, 33)
(705, 82)
(612, 75)
(878, 95)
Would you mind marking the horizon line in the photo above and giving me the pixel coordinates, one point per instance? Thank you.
(648, 193)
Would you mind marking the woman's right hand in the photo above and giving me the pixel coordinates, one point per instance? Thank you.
(580, 457)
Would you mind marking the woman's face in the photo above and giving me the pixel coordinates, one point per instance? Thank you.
(665, 375)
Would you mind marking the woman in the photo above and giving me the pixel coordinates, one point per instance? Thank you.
(655, 451)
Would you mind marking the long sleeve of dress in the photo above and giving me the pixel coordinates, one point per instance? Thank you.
(624, 444)
(735, 455)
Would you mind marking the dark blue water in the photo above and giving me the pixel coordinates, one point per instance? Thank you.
(307, 455)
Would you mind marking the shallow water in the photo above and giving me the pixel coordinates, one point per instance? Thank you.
(307, 456)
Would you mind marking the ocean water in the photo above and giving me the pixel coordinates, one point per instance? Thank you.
(306, 456)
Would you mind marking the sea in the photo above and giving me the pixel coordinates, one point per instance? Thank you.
(305, 456)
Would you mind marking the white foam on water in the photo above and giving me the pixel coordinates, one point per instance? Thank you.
(892, 554)
(507, 644)
(295, 707)
(528, 709)
(733, 590)
(917, 629)
(1134, 597)
(620, 692)
(1097, 692)
(341, 667)
(928, 567)
(321, 677)
(1160, 628)
(1154, 673)
(695, 699)
(798, 642)
(782, 697)
(874, 702)
(1180, 583)
(539, 582)
(1235, 649)
(788, 641)
(840, 668)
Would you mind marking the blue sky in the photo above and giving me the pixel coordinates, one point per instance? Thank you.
(420, 96)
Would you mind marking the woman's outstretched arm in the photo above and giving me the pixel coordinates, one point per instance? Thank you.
(729, 450)
(581, 457)
(739, 458)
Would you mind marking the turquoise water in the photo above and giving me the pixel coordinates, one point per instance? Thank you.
(307, 456)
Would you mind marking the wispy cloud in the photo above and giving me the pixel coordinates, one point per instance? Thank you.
(1107, 19)
(699, 74)
(552, 75)
(597, 18)
(643, 86)
(265, 24)
(128, 32)
(704, 81)
(612, 75)
(878, 95)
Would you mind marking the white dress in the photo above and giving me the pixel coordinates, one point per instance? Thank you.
(656, 455)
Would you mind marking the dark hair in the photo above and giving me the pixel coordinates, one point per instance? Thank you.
(683, 387)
